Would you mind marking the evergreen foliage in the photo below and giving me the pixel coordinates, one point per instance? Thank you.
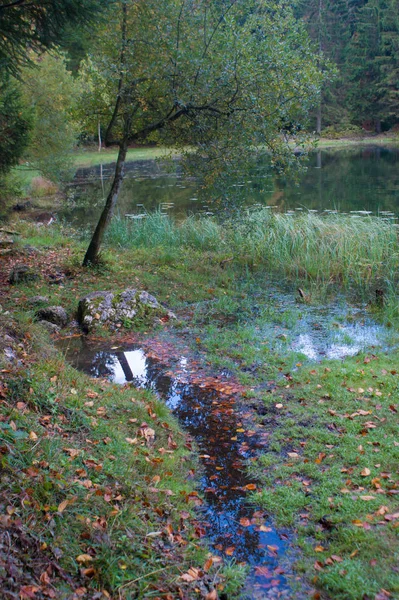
(15, 121)
(27, 25)
(362, 38)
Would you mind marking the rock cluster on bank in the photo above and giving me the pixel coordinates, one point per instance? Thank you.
(128, 308)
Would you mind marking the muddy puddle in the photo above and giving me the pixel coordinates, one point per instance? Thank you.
(226, 439)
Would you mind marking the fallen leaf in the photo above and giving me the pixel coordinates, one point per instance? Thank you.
(45, 578)
(265, 529)
(366, 472)
(84, 558)
(336, 558)
(392, 517)
(62, 506)
(73, 452)
(28, 591)
(250, 486)
(131, 440)
(192, 575)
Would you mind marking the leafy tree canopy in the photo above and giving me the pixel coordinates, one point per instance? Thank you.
(51, 103)
(219, 77)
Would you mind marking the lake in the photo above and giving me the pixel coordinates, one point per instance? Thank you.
(355, 179)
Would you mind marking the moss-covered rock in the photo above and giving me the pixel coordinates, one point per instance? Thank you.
(131, 308)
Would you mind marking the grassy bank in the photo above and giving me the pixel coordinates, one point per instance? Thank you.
(370, 140)
(99, 482)
(85, 497)
(333, 251)
(85, 158)
(88, 157)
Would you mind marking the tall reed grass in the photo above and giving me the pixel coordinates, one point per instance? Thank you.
(339, 249)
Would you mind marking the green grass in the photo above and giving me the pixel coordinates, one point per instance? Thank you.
(78, 477)
(361, 141)
(331, 251)
(333, 463)
(84, 158)
(226, 310)
(90, 158)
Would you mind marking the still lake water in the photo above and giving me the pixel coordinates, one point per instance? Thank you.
(364, 178)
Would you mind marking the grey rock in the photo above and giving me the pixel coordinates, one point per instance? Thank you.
(112, 309)
(30, 250)
(22, 274)
(51, 327)
(53, 314)
(9, 354)
(38, 300)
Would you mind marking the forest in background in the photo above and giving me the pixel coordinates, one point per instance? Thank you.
(361, 38)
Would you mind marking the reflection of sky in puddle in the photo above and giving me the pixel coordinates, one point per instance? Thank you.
(210, 419)
(347, 341)
(137, 362)
(333, 331)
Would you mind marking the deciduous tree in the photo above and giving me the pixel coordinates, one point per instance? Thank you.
(218, 77)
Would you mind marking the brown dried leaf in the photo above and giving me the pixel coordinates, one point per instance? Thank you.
(62, 506)
(84, 558)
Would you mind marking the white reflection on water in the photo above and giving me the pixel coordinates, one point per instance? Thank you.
(350, 340)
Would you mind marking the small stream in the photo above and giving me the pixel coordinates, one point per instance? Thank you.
(226, 439)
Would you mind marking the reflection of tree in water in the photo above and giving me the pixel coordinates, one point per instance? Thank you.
(101, 364)
(213, 422)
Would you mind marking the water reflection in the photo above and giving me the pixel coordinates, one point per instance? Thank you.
(233, 526)
(355, 179)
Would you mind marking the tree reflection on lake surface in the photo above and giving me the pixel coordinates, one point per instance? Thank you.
(364, 178)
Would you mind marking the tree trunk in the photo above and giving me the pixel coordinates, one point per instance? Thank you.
(320, 24)
(99, 136)
(318, 120)
(91, 255)
(127, 371)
